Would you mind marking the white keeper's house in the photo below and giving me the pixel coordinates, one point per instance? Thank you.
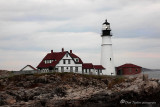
(65, 61)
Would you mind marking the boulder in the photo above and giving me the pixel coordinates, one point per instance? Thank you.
(41, 79)
(132, 88)
(10, 100)
(145, 77)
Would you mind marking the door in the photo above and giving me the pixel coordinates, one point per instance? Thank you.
(119, 72)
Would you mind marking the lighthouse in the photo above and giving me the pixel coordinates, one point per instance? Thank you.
(106, 50)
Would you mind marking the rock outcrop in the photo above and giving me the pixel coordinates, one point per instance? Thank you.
(68, 89)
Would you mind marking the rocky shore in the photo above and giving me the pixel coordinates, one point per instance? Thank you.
(75, 90)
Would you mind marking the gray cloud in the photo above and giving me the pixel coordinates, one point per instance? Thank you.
(37, 26)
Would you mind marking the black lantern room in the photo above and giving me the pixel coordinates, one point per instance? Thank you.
(106, 29)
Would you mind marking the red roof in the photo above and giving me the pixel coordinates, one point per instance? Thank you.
(98, 67)
(56, 56)
(87, 66)
(75, 56)
(29, 66)
(91, 66)
(129, 66)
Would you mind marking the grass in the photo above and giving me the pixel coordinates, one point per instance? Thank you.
(110, 81)
(64, 75)
(116, 80)
(17, 77)
(46, 73)
(96, 76)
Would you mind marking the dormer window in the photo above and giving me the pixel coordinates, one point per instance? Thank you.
(48, 61)
(76, 59)
(66, 54)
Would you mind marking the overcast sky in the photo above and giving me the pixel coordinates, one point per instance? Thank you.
(29, 29)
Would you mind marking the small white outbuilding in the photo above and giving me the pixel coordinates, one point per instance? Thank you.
(28, 68)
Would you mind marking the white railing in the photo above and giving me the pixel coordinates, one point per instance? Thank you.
(47, 71)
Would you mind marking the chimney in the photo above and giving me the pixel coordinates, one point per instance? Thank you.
(62, 49)
(51, 51)
(70, 51)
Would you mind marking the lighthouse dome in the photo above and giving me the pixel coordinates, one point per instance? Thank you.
(106, 23)
(106, 29)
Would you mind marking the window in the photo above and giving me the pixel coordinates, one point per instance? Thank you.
(69, 61)
(66, 54)
(56, 69)
(48, 61)
(76, 69)
(64, 61)
(67, 68)
(62, 69)
(76, 59)
(110, 59)
(86, 70)
(71, 69)
(136, 70)
(98, 72)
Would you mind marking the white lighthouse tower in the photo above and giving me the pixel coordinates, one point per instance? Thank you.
(106, 50)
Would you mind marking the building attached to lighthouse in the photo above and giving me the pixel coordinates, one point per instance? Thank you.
(106, 50)
(66, 61)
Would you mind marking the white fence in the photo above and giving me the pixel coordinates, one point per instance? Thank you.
(36, 71)
(49, 71)
(25, 72)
